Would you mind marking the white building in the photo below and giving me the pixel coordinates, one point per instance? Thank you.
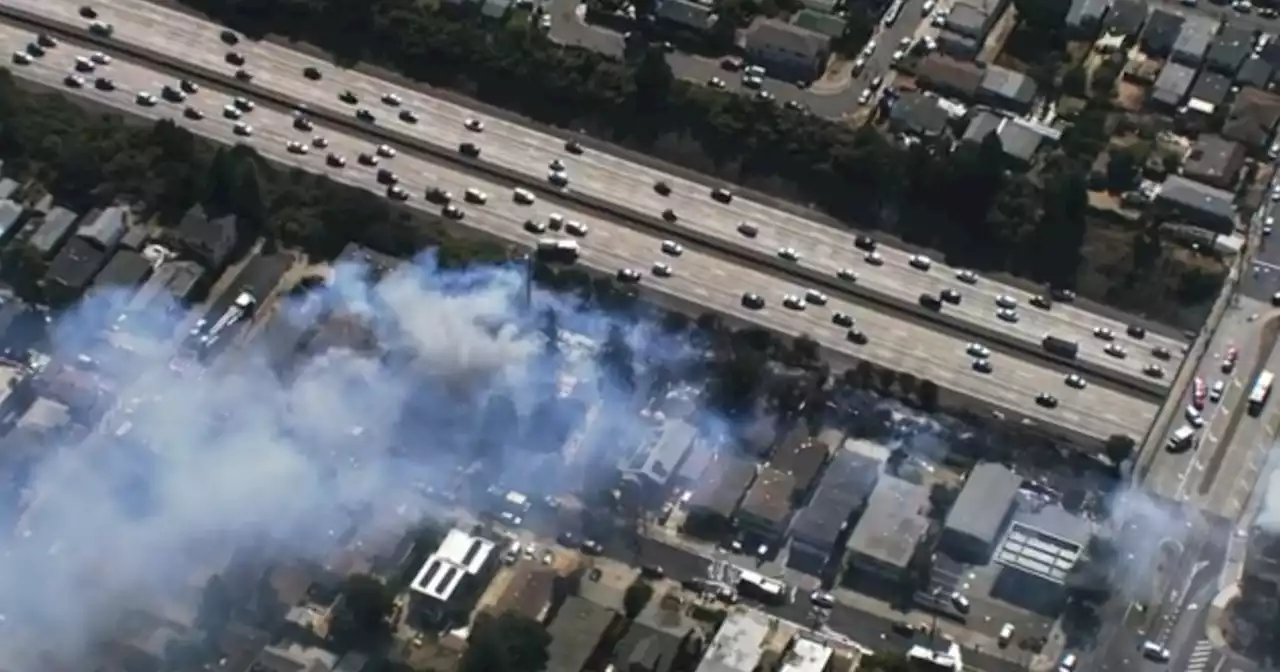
(459, 569)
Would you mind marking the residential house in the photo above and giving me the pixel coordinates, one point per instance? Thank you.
(893, 523)
(1229, 50)
(1209, 93)
(104, 228)
(122, 276)
(1172, 86)
(1271, 53)
(71, 270)
(696, 16)
(1019, 138)
(1084, 18)
(1252, 119)
(577, 632)
(824, 24)
(917, 113)
(980, 513)
(51, 230)
(1125, 18)
(738, 644)
(648, 471)
(787, 51)
(529, 593)
(1005, 88)
(975, 17)
(168, 290)
(1197, 204)
(12, 217)
(958, 45)
(949, 77)
(1161, 32)
(645, 649)
(1194, 39)
(452, 577)
(803, 457)
(821, 6)
(716, 499)
(766, 509)
(209, 241)
(818, 528)
(135, 238)
(1256, 73)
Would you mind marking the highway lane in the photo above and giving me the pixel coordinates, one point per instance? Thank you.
(699, 278)
(823, 249)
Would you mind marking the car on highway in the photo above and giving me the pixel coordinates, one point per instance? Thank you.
(104, 84)
(1006, 301)
(1193, 417)
(1104, 333)
(438, 195)
(73, 81)
(1198, 393)
(243, 104)
(967, 277)
(669, 215)
(473, 195)
(747, 229)
(335, 160)
(1215, 392)
(950, 295)
(319, 142)
(1047, 400)
(1042, 302)
(1006, 634)
(662, 270)
(1008, 315)
(1162, 353)
(662, 188)
(234, 58)
(231, 112)
(102, 28)
(1116, 350)
(365, 115)
(788, 253)
(303, 124)
(874, 259)
(523, 196)
(391, 99)
(628, 276)
(188, 87)
(409, 116)
(453, 212)
(822, 599)
(172, 94)
(1153, 370)
(193, 113)
(1155, 652)
(847, 275)
(145, 99)
(396, 192)
(865, 96)
(977, 350)
(21, 58)
(46, 40)
(1075, 380)
(367, 159)
(295, 147)
(469, 149)
(1068, 663)
(311, 72)
(534, 226)
(243, 129)
(960, 602)
(753, 301)
(572, 146)
(793, 302)
(473, 125)
(856, 336)
(672, 248)
(348, 97)
(244, 75)
(1136, 331)
(983, 366)
(100, 58)
(575, 228)
(83, 64)
(865, 243)
(385, 151)
(815, 297)
(722, 195)
(34, 50)
(842, 320)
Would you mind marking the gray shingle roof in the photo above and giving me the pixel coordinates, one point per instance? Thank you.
(1230, 49)
(1211, 88)
(1209, 202)
(687, 13)
(893, 523)
(105, 227)
(984, 503)
(844, 488)
(1161, 32)
(1173, 84)
(780, 35)
(916, 112)
(126, 269)
(1194, 38)
(1008, 85)
(1126, 17)
(1086, 12)
(1255, 72)
(967, 20)
(721, 490)
(575, 633)
(52, 230)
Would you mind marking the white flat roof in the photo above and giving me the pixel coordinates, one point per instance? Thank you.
(459, 555)
(806, 655)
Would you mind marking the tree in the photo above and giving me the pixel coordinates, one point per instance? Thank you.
(361, 615)
(636, 598)
(508, 642)
(941, 498)
(1122, 170)
(617, 358)
(1119, 448)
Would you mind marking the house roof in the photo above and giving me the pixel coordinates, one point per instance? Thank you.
(819, 22)
(723, 485)
(966, 19)
(982, 124)
(843, 490)
(210, 239)
(1126, 17)
(52, 230)
(984, 503)
(529, 593)
(1191, 195)
(1253, 117)
(1255, 72)
(949, 75)
(1086, 12)
(10, 217)
(802, 456)
(917, 112)
(1009, 85)
(1173, 84)
(75, 265)
(1211, 88)
(738, 644)
(893, 523)
(1231, 47)
(1162, 31)
(578, 627)
(769, 498)
(127, 268)
(687, 13)
(659, 458)
(135, 238)
(1020, 139)
(646, 648)
(104, 227)
(8, 187)
(1195, 36)
(495, 9)
(771, 33)
(171, 284)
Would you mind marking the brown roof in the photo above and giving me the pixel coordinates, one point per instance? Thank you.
(802, 456)
(722, 485)
(529, 592)
(770, 497)
(949, 75)
(1253, 117)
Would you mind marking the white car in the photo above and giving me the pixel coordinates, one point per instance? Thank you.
(967, 277)
(1006, 634)
(1104, 333)
(1008, 315)
(874, 259)
(473, 125)
(1215, 392)
(100, 58)
(939, 20)
(145, 99)
(243, 129)
(473, 195)
(231, 112)
(391, 99)
(523, 196)
(386, 152)
(575, 228)
(1077, 381)
(662, 270)
(1268, 225)
(21, 58)
(847, 275)
(716, 83)
(869, 49)
(1116, 350)
(928, 7)
(898, 56)
(865, 96)
(243, 104)
(815, 297)
(1193, 417)
(822, 600)
(1006, 301)
(672, 248)
(793, 302)
(921, 262)
(788, 253)
(295, 147)
(978, 350)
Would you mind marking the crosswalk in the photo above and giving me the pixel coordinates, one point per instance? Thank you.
(1200, 656)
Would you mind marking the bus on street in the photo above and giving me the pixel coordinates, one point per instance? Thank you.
(1261, 390)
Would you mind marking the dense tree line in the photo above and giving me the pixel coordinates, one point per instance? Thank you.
(965, 207)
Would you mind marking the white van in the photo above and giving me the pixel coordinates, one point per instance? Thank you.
(1181, 438)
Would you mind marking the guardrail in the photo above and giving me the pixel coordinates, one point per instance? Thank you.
(1133, 383)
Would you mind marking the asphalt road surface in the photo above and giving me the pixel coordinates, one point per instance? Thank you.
(699, 278)
(822, 249)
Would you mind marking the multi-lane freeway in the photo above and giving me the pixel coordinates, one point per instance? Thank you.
(700, 278)
(822, 250)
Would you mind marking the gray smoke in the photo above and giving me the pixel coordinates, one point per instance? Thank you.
(234, 454)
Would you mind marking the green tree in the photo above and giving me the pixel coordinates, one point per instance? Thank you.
(636, 598)
(928, 396)
(360, 619)
(1075, 82)
(508, 642)
(1119, 448)
(1123, 167)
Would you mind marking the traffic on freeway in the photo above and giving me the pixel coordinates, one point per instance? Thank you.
(1001, 313)
(683, 276)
